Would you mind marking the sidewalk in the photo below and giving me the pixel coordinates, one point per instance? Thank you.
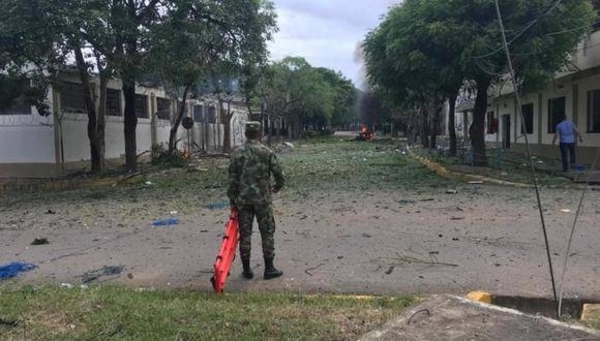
(454, 318)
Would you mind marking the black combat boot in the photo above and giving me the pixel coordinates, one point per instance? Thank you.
(270, 271)
(248, 274)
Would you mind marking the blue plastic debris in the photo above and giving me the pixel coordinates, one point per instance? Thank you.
(14, 269)
(219, 205)
(166, 222)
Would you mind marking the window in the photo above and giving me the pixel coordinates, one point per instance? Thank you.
(71, 98)
(198, 113)
(527, 110)
(556, 111)
(19, 107)
(141, 106)
(593, 111)
(163, 108)
(14, 101)
(596, 25)
(212, 115)
(492, 123)
(113, 102)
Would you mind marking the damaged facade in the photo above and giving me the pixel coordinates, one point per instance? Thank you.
(33, 145)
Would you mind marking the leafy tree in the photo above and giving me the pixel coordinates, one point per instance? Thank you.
(308, 97)
(428, 48)
(344, 97)
(204, 41)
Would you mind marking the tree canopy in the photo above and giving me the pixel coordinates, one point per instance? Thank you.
(425, 48)
(183, 41)
(309, 97)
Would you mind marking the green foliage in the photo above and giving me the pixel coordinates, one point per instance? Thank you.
(163, 158)
(425, 48)
(317, 97)
(202, 39)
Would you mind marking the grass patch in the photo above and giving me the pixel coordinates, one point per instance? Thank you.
(503, 165)
(337, 164)
(318, 164)
(124, 314)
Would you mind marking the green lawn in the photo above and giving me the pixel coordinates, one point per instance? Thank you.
(101, 313)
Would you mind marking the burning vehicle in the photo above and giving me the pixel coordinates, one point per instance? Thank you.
(365, 134)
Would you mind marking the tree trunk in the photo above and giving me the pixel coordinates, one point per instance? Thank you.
(90, 105)
(424, 126)
(101, 122)
(226, 122)
(452, 124)
(437, 103)
(477, 130)
(130, 125)
(178, 119)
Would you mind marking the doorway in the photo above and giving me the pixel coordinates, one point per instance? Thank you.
(506, 131)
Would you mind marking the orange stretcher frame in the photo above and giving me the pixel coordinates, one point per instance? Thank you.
(227, 253)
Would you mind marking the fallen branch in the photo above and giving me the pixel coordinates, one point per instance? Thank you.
(9, 323)
(418, 312)
(307, 271)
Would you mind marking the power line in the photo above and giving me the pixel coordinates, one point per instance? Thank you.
(528, 146)
(527, 27)
(564, 271)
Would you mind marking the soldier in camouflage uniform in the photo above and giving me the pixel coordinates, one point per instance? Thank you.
(250, 191)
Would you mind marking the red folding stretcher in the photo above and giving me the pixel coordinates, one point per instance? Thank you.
(227, 253)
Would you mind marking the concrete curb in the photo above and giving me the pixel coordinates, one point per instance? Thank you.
(461, 318)
(444, 172)
(59, 185)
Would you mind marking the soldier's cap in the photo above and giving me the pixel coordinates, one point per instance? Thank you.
(253, 127)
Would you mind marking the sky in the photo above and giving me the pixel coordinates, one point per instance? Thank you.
(326, 32)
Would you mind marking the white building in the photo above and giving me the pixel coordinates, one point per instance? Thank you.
(32, 145)
(574, 92)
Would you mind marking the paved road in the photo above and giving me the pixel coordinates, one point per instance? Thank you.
(384, 243)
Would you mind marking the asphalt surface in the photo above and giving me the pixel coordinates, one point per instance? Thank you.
(420, 242)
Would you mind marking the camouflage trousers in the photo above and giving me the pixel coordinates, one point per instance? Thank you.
(266, 226)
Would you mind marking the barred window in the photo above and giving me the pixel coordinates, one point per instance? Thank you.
(18, 107)
(593, 111)
(527, 110)
(141, 106)
(113, 102)
(163, 108)
(71, 98)
(198, 113)
(212, 115)
(556, 111)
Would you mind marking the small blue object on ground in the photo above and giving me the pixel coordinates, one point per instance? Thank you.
(166, 222)
(219, 205)
(14, 269)
(579, 167)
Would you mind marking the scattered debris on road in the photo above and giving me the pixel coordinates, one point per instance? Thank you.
(102, 272)
(14, 269)
(40, 241)
(308, 271)
(218, 205)
(165, 222)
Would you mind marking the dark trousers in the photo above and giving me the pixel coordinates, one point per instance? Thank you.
(266, 226)
(566, 150)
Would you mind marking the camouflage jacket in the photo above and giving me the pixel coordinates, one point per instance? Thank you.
(250, 174)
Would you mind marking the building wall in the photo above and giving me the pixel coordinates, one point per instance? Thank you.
(585, 85)
(27, 142)
(27, 145)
